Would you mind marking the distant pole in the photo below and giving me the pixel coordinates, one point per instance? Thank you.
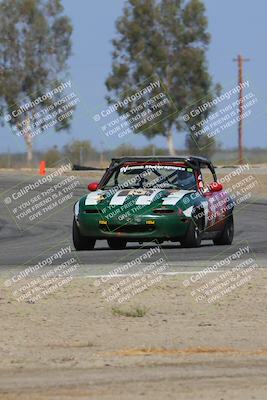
(240, 61)
(101, 160)
(8, 158)
(81, 155)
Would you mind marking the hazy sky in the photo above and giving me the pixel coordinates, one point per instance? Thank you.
(236, 26)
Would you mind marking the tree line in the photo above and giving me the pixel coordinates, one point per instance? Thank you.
(167, 39)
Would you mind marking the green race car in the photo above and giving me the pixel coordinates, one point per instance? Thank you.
(144, 199)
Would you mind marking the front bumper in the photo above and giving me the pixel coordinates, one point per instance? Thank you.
(143, 228)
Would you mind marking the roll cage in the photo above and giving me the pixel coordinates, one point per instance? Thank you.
(196, 163)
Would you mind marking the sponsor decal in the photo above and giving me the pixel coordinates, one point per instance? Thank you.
(119, 198)
(188, 211)
(140, 192)
(145, 196)
(174, 197)
(148, 198)
(92, 199)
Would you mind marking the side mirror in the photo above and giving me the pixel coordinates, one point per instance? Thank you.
(215, 187)
(92, 187)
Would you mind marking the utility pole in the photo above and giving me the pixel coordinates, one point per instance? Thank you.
(240, 61)
(81, 155)
(8, 158)
(101, 161)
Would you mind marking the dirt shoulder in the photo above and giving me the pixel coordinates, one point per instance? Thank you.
(72, 344)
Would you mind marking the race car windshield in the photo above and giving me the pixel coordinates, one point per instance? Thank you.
(152, 176)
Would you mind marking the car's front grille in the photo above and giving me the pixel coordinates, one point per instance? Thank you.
(163, 211)
(92, 211)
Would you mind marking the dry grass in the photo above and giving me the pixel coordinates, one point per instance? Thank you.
(136, 312)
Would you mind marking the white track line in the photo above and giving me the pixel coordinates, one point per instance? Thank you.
(125, 275)
(162, 273)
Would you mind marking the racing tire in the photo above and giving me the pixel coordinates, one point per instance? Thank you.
(117, 244)
(227, 235)
(193, 235)
(81, 242)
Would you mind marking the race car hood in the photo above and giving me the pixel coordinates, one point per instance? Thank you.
(136, 197)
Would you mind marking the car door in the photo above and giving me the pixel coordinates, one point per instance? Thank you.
(217, 201)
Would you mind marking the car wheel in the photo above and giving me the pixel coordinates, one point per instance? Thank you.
(227, 235)
(192, 237)
(81, 242)
(117, 244)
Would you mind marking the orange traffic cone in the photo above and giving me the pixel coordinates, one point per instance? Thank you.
(42, 170)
